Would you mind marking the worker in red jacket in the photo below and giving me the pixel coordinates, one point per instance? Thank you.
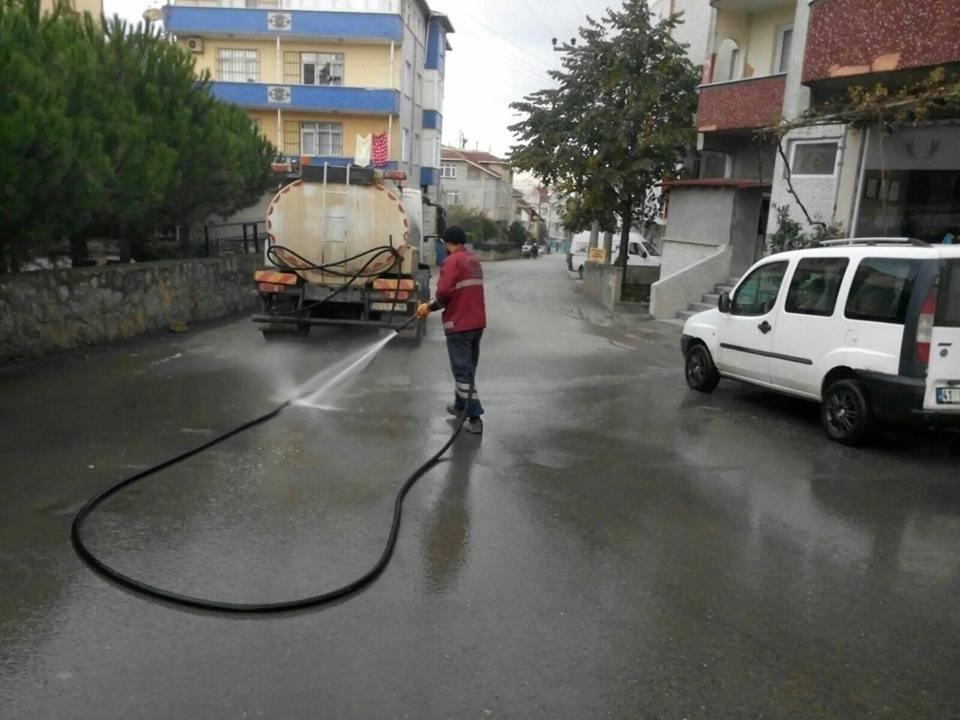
(460, 295)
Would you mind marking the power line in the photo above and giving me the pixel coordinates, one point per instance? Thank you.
(539, 19)
(519, 61)
(500, 36)
(514, 63)
(576, 7)
(563, 23)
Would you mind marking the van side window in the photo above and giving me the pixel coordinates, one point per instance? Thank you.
(758, 293)
(816, 285)
(881, 290)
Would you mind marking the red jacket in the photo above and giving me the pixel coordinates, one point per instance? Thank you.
(460, 293)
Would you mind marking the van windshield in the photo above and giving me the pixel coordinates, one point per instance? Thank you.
(948, 307)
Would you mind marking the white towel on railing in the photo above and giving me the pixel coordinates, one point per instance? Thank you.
(364, 151)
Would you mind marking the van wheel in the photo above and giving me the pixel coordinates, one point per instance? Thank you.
(701, 373)
(845, 412)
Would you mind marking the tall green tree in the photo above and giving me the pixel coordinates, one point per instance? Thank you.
(108, 132)
(620, 119)
(51, 154)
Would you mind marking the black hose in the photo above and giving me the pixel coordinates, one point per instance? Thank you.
(143, 588)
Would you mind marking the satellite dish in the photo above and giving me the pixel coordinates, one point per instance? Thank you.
(152, 15)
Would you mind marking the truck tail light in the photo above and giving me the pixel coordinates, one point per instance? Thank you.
(925, 326)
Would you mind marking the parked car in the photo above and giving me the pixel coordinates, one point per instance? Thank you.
(869, 328)
(530, 249)
(639, 252)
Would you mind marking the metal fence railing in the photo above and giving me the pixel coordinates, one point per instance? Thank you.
(234, 238)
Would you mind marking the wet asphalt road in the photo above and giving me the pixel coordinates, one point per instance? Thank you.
(614, 547)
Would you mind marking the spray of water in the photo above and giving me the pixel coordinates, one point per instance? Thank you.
(314, 390)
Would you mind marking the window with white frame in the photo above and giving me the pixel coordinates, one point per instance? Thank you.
(816, 157)
(453, 197)
(784, 42)
(448, 170)
(234, 65)
(321, 138)
(727, 62)
(321, 68)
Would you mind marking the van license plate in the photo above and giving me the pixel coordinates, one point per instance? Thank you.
(400, 307)
(948, 396)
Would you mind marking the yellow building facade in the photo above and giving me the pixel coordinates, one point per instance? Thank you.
(316, 80)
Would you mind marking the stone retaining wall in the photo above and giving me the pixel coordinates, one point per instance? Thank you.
(603, 283)
(53, 310)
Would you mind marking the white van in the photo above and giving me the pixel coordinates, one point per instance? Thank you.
(869, 328)
(640, 251)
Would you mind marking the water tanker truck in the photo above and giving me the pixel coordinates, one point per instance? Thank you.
(346, 247)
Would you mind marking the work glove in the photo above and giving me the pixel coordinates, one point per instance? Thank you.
(423, 310)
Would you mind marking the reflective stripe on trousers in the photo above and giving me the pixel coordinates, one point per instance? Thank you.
(464, 350)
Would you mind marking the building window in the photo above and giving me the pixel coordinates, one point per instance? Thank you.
(237, 65)
(448, 170)
(405, 145)
(715, 164)
(407, 79)
(727, 62)
(321, 68)
(784, 42)
(814, 158)
(816, 285)
(453, 197)
(321, 138)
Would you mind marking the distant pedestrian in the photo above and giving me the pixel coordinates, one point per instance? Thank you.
(460, 296)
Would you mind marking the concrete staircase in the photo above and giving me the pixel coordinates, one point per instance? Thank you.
(709, 300)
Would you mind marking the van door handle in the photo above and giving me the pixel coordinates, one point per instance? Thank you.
(765, 327)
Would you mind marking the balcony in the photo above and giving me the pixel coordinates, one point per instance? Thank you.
(850, 38)
(347, 100)
(748, 104)
(350, 6)
(310, 24)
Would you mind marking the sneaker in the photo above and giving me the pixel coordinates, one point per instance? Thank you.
(474, 425)
(451, 410)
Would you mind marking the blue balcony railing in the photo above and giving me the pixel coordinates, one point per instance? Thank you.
(309, 97)
(183, 20)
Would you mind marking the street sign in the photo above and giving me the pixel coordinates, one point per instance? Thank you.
(597, 255)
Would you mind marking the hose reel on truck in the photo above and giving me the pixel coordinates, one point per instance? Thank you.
(345, 246)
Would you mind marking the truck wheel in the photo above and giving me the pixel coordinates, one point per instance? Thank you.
(700, 371)
(845, 412)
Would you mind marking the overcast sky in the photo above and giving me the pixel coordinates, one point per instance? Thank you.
(501, 51)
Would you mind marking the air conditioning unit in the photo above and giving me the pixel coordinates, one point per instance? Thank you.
(195, 45)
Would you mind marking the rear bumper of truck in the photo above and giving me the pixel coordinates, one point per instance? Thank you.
(900, 400)
(383, 302)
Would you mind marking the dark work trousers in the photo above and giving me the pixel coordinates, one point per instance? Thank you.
(464, 349)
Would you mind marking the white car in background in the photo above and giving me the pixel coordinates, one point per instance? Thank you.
(867, 327)
(640, 251)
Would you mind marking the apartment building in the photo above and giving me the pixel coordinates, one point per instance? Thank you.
(316, 75)
(94, 7)
(771, 61)
(476, 180)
